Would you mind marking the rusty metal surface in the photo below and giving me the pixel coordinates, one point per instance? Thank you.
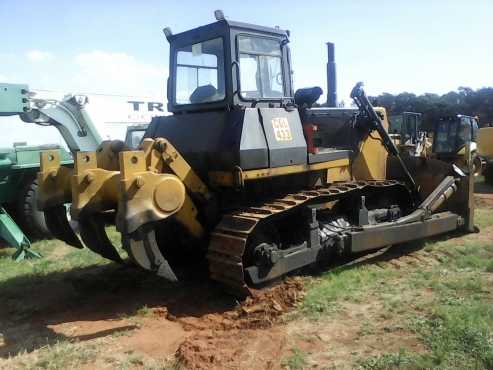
(230, 238)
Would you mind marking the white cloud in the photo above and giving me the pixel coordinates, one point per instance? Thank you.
(119, 73)
(38, 55)
(3, 78)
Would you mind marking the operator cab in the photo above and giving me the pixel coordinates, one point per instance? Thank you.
(231, 83)
(228, 64)
(452, 134)
(407, 125)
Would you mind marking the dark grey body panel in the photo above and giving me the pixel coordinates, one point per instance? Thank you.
(213, 141)
(284, 150)
(253, 146)
(222, 140)
(335, 127)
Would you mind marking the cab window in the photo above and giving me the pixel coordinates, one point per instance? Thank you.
(200, 73)
(261, 73)
(464, 135)
(445, 137)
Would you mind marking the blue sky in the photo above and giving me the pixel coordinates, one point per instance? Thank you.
(117, 47)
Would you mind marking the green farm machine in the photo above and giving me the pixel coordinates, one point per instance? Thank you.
(20, 219)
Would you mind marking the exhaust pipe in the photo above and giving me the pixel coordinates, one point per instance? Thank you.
(331, 77)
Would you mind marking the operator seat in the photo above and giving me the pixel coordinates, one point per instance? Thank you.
(203, 94)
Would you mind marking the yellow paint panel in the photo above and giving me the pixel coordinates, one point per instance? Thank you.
(288, 170)
(485, 141)
(222, 178)
(371, 162)
(338, 174)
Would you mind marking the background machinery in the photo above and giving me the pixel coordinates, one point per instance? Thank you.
(408, 134)
(407, 125)
(246, 176)
(453, 134)
(20, 219)
(485, 152)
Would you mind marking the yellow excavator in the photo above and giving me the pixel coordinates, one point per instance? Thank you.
(248, 176)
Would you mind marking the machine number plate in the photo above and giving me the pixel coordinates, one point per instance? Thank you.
(282, 131)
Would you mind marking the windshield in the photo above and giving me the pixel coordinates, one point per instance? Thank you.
(395, 124)
(134, 137)
(453, 134)
(446, 136)
(200, 72)
(261, 73)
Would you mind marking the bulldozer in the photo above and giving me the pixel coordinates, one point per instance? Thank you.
(248, 176)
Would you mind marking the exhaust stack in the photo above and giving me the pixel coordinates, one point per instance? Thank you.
(331, 76)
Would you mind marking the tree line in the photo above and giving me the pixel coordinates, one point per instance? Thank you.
(465, 101)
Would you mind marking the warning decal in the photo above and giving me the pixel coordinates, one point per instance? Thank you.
(282, 131)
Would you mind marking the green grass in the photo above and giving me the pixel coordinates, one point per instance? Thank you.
(297, 360)
(456, 330)
(57, 257)
(457, 334)
(59, 356)
(400, 360)
(144, 311)
(483, 217)
(341, 284)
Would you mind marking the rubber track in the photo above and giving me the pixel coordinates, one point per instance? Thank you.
(229, 238)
